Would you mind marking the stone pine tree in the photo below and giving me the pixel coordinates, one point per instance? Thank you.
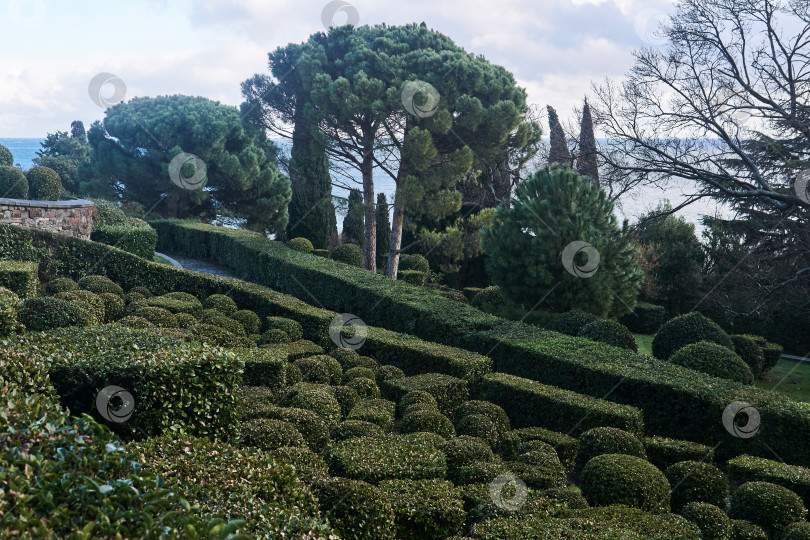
(383, 224)
(558, 151)
(353, 223)
(273, 103)
(560, 245)
(587, 162)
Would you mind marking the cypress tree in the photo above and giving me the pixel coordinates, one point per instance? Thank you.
(383, 230)
(558, 153)
(587, 164)
(354, 224)
(312, 214)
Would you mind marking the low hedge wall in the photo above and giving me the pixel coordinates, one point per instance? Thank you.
(140, 241)
(173, 383)
(374, 459)
(529, 403)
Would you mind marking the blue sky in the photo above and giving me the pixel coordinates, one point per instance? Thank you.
(51, 49)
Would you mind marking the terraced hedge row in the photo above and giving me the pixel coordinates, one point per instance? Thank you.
(676, 402)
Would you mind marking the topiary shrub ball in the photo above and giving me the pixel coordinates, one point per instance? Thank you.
(715, 360)
(797, 531)
(350, 254)
(415, 262)
(46, 312)
(612, 479)
(44, 184)
(712, 522)
(13, 183)
(750, 352)
(571, 322)
(222, 303)
(300, 244)
(745, 530)
(694, 481)
(6, 159)
(430, 421)
(607, 440)
(770, 506)
(687, 329)
(9, 306)
(609, 332)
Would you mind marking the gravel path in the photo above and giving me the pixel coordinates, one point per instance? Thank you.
(197, 265)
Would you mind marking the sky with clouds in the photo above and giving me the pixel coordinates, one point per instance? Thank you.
(50, 50)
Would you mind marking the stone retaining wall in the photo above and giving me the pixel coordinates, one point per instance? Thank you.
(66, 217)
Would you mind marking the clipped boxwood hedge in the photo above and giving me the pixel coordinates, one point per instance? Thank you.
(264, 367)
(356, 509)
(686, 329)
(430, 509)
(696, 482)
(714, 524)
(173, 383)
(609, 332)
(677, 402)
(140, 241)
(645, 318)
(450, 392)
(663, 452)
(745, 468)
(377, 459)
(713, 359)
(770, 506)
(607, 440)
(573, 413)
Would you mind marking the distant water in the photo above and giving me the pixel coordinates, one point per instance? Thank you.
(23, 150)
(631, 206)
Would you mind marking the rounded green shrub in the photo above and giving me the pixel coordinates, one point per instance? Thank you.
(142, 291)
(317, 400)
(357, 510)
(274, 336)
(213, 335)
(6, 158)
(292, 374)
(712, 522)
(686, 329)
(184, 320)
(489, 297)
(609, 332)
(366, 389)
(693, 481)
(309, 466)
(350, 254)
(132, 321)
(9, 306)
(158, 316)
(750, 352)
(770, 506)
(425, 509)
(300, 244)
(216, 318)
(290, 327)
(133, 297)
(430, 421)
(607, 440)
(269, 434)
(358, 372)
(612, 479)
(385, 373)
(90, 306)
(414, 262)
(419, 407)
(417, 396)
(249, 321)
(412, 277)
(347, 398)
(463, 450)
(797, 531)
(311, 425)
(486, 408)
(351, 429)
(178, 302)
(479, 472)
(544, 473)
(13, 183)
(335, 370)
(715, 360)
(646, 318)
(100, 284)
(478, 425)
(113, 306)
(62, 284)
(745, 530)
(222, 303)
(571, 322)
(570, 497)
(313, 370)
(44, 184)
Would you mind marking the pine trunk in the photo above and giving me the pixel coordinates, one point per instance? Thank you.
(370, 249)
